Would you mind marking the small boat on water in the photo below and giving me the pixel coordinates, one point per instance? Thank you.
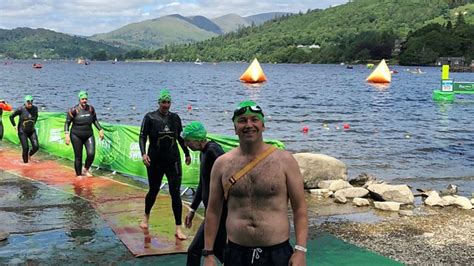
(37, 65)
(198, 62)
(83, 62)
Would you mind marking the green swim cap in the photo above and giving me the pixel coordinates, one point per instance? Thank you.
(82, 95)
(164, 95)
(248, 107)
(28, 98)
(194, 131)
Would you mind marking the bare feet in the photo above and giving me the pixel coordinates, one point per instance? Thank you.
(144, 223)
(85, 172)
(179, 234)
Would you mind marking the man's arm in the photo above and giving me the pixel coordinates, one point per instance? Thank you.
(197, 196)
(36, 114)
(294, 181)
(13, 115)
(180, 139)
(143, 134)
(214, 207)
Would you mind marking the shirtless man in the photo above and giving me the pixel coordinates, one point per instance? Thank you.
(257, 224)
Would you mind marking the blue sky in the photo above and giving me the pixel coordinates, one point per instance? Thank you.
(88, 17)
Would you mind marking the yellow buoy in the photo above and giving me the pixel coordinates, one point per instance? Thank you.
(381, 74)
(254, 73)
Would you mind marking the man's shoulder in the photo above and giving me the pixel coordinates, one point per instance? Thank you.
(283, 155)
(215, 146)
(151, 114)
(174, 115)
(227, 156)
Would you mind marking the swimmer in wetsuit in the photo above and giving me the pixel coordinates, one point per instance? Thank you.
(195, 137)
(82, 116)
(162, 128)
(28, 114)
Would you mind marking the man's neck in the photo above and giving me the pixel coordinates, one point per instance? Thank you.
(252, 148)
(163, 112)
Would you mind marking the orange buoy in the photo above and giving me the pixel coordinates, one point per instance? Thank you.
(346, 126)
(381, 74)
(254, 73)
(190, 108)
(305, 129)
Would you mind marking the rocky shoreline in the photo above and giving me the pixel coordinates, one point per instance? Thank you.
(410, 225)
(431, 235)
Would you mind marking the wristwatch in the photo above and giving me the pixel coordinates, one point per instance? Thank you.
(206, 252)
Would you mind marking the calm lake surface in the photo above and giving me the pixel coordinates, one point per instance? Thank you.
(396, 132)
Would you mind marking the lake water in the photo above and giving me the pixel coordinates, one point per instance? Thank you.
(396, 132)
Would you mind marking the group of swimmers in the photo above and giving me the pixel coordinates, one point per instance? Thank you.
(81, 116)
(246, 221)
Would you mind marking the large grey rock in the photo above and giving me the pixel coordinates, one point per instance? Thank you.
(324, 192)
(359, 202)
(459, 201)
(387, 205)
(434, 199)
(355, 192)
(398, 193)
(334, 185)
(317, 167)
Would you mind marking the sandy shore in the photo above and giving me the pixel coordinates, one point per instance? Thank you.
(421, 235)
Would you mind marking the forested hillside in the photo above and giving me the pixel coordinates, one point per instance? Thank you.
(357, 31)
(22, 43)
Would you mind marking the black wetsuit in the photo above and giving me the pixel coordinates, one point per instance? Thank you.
(1, 124)
(163, 131)
(26, 129)
(208, 156)
(82, 134)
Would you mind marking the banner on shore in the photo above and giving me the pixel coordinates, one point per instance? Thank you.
(119, 151)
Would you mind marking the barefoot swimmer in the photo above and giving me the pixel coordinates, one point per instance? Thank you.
(162, 129)
(82, 116)
(194, 135)
(28, 114)
(257, 181)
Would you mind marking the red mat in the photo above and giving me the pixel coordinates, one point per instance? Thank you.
(121, 205)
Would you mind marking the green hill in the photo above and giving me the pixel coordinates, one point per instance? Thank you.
(176, 29)
(22, 43)
(230, 22)
(233, 22)
(155, 33)
(357, 30)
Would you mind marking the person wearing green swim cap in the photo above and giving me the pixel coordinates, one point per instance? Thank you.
(162, 129)
(257, 198)
(82, 116)
(28, 115)
(195, 137)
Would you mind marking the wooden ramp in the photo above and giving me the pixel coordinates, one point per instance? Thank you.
(120, 205)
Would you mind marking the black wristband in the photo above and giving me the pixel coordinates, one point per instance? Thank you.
(206, 252)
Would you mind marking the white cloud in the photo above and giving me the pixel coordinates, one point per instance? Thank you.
(87, 17)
